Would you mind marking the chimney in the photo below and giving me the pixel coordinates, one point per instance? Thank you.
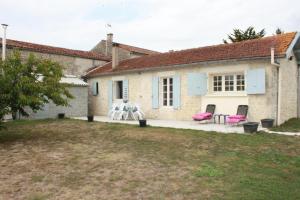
(109, 42)
(115, 55)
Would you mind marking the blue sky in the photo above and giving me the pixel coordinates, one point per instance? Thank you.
(155, 24)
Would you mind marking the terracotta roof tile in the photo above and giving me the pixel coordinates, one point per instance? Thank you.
(242, 50)
(54, 50)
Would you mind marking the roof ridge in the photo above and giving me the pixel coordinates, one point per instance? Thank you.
(142, 48)
(55, 49)
(231, 44)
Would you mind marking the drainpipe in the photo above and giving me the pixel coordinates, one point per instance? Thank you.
(277, 65)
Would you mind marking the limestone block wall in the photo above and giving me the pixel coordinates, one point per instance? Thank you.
(72, 65)
(78, 106)
(288, 88)
(140, 91)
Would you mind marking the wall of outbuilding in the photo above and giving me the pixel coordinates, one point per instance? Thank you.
(78, 106)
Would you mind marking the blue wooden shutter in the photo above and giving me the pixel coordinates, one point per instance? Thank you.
(197, 84)
(110, 93)
(94, 88)
(176, 92)
(125, 90)
(256, 81)
(155, 92)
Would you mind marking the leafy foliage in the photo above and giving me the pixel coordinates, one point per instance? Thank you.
(239, 35)
(31, 83)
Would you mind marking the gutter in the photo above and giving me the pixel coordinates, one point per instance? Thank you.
(149, 69)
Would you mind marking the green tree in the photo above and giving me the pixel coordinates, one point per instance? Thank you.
(239, 35)
(31, 83)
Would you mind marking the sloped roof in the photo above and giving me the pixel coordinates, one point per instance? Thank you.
(68, 79)
(73, 80)
(136, 49)
(256, 48)
(54, 50)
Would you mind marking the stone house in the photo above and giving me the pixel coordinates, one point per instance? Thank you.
(75, 62)
(125, 51)
(261, 73)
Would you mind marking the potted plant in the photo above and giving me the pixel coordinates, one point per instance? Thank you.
(143, 122)
(90, 118)
(250, 127)
(61, 115)
(267, 123)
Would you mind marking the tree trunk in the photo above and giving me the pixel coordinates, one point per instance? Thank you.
(14, 115)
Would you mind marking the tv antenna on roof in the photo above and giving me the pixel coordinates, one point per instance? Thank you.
(108, 28)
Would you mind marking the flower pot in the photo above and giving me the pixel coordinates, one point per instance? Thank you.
(143, 122)
(250, 127)
(90, 118)
(61, 115)
(267, 123)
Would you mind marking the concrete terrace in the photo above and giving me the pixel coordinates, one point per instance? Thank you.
(177, 124)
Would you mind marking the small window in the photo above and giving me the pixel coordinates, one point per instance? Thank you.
(217, 83)
(229, 83)
(167, 89)
(119, 89)
(95, 88)
(240, 82)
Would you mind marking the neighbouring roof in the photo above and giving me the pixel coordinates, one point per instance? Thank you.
(73, 80)
(257, 48)
(136, 49)
(69, 79)
(54, 50)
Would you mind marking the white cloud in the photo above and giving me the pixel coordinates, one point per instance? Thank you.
(154, 24)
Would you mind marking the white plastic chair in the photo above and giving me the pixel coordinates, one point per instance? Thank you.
(123, 114)
(137, 113)
(114, 111)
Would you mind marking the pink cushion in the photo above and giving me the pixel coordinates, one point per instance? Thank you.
(202, 116)
(235, 119)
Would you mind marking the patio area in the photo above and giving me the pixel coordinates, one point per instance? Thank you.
(194, 125)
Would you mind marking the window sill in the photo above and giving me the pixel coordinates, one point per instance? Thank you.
(227, 94)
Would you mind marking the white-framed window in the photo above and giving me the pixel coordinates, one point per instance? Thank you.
(228, 83)
(217, 81)
(240, 82)
(167, 91)
(118, 89)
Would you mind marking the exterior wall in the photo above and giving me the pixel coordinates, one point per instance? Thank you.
(140, 91)
(78, 106)
(288, 100)
(72, 65)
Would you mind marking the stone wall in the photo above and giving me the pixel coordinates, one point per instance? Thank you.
(72, 65)
(78, 106)
(288, 88)
(140, 91)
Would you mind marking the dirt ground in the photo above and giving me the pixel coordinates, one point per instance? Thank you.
(70, 159)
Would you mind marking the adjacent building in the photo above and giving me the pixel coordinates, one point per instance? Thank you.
(261, 73)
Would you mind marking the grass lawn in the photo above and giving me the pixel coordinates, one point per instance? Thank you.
(292, 125)
(71, 159)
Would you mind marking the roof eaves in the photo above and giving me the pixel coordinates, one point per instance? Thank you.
(179, 66)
